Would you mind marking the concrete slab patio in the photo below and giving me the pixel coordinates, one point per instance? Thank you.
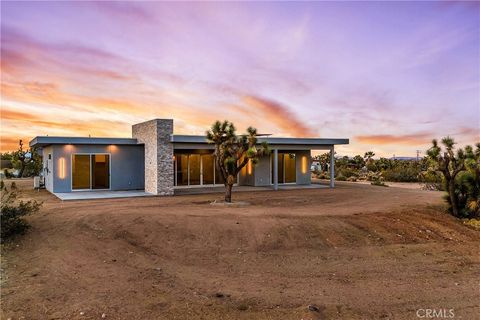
(90, 195)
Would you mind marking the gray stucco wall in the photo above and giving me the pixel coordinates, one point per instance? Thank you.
(126, 165)
(156, 135)
(303, 177)
(262, 172)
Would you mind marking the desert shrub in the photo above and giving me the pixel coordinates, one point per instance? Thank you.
(7, 173)
(432, 180)
(402, 173)
(322, 175)
(374, 176)
(13, 212)
(352, 179)
(378, 183)
(340, 177)
(347, 172)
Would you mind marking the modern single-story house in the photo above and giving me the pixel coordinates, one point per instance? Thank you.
(158, 161)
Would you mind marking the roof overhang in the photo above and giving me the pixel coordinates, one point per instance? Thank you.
(44, 141)
(197, 142)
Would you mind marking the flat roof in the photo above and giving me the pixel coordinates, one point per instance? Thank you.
(43, 141)
(270, 140)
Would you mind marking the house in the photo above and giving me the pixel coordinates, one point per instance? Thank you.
(158, 161)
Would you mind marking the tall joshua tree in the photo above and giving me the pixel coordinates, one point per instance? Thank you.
(450, 165)
(25, 159)
(233, 152)
(368, 156)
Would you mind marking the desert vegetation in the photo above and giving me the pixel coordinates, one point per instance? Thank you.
(460, 170)
(456, 171)
(24, 162)
(233, 152)
(13, 212)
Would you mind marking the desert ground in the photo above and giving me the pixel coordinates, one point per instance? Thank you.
(355, 252)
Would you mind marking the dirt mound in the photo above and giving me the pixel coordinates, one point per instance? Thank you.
(356, 252)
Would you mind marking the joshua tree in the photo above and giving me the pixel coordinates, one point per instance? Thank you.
(450, 165)
(324, 160)
(233, 152)
(368, 156)
(472, 179)
(26, 160)
(358, 161)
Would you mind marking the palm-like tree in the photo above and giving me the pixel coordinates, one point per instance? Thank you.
(233, 152)
(450, 165)
(368, 156)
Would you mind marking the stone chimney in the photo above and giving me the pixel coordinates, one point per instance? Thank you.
(155, 135)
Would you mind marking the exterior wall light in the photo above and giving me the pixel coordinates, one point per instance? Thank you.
(304, 164)
(61, 168)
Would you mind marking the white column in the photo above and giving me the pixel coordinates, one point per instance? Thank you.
(275, 169)
(332, 167)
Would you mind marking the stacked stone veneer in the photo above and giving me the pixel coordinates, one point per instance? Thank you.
(155, 135)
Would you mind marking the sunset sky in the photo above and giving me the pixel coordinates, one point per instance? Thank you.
(388, 75)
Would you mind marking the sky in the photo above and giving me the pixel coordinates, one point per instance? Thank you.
(390, 76)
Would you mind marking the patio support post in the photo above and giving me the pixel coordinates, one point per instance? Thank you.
(332, 167)
(275, 169)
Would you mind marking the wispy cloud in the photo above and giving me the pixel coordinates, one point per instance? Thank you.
(278, 114)
(385, 139)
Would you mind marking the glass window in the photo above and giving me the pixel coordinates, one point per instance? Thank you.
(280, 167)
(218, 176)
(182, 169)
(207, 168)
(290, 168)
(80, 171)
(100, 171)
(194, 169)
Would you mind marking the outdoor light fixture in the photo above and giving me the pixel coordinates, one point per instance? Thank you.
(249, 167)
(61, 168)
(113, 148)
(304, 164)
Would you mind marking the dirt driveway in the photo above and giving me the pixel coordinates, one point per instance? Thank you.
(355, 252)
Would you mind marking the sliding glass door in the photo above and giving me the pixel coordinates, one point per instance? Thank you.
(287, 172)
(80, 171)
(100, 171)
(196, 169)
(90, 171)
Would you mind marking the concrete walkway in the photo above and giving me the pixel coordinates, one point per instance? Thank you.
(89, 195)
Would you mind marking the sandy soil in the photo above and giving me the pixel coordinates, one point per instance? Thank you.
(356, 252)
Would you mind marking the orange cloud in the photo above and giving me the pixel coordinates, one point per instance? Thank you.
(37, 92)
(11, 143)
(279, 114)
(408, 139)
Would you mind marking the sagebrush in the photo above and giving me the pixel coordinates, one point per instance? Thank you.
(13, 212)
